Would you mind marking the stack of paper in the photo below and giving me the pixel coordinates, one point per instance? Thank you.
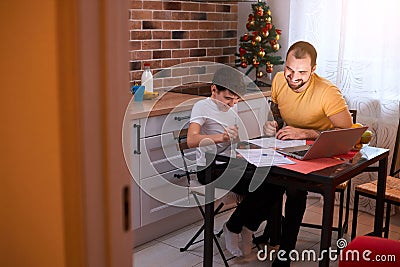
(264, 157)
(267, 156)
(272, 142)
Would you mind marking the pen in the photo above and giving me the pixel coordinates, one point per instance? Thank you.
(338, 158)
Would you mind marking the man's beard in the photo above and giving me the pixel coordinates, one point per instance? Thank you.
(296, 87)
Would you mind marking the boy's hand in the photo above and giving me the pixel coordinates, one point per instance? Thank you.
(270, 128)
(230, 133)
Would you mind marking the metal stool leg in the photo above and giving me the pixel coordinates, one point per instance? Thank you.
(355, 214)
(193, 241)
(220, 251)
(341, 204)
(346, 216)
(387, 220)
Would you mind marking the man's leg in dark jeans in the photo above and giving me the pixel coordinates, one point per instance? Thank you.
(248, 216)
(255, 208)
(295, 207)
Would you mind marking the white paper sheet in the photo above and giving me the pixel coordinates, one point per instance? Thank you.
(272, 142)
(264, 157)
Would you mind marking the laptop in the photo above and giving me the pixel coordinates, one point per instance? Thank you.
(328, 144)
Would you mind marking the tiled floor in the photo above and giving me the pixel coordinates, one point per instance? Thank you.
(165, 252)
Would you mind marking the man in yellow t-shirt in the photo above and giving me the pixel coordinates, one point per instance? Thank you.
(312, 106)
(307, 104)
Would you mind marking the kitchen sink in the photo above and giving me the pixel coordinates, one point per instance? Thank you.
(203, 89)
(200, 89)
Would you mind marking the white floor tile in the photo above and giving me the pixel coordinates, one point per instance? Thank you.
(215, 264)
(249, 261)
(165, 250)
(180, 237)
(395, 223)
(144, 246)
(306, 240)
(164, 255)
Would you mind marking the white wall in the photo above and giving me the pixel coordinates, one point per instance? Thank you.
(280, 18)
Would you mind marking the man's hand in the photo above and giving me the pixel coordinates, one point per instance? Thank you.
(289, 132)
(230, 134)
(270, 128)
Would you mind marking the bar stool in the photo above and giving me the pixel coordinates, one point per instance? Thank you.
(392, 192)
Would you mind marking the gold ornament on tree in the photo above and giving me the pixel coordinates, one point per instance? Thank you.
(261, 53)
(269, 67)
(265, 32)
(255, 62)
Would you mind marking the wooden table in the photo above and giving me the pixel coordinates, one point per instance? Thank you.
(322, 181)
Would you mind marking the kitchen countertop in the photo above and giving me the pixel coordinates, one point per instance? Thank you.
(172, 102)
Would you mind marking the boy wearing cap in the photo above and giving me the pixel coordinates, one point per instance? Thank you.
(213, 123)
(213, 126)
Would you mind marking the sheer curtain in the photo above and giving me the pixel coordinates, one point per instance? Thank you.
(358, 45)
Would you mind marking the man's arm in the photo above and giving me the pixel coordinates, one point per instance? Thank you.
(277, 115)
(195, 139)
(271, 127)
(340, 120)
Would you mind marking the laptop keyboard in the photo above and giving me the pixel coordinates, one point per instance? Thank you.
(300, 152)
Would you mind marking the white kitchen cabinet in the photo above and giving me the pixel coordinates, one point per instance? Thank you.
(165, 123)
(154, 160)
(161, 155)
(164, 188)
(136, 194)
(131, 141)
(253, 114)
(154, 149)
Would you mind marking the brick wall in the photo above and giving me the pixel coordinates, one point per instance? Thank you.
(166, 33)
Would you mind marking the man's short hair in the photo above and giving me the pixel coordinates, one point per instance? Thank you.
(301, 49)
(228, 78)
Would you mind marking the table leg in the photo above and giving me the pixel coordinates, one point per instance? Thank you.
(327, 220)
(209, 217)
(380, 197)
(208, 238)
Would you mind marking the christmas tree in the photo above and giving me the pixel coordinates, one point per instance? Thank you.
(257, 45)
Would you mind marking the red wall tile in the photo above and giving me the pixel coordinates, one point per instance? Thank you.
(166, 33)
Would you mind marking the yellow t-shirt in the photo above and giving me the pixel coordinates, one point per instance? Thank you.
(311, 108)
